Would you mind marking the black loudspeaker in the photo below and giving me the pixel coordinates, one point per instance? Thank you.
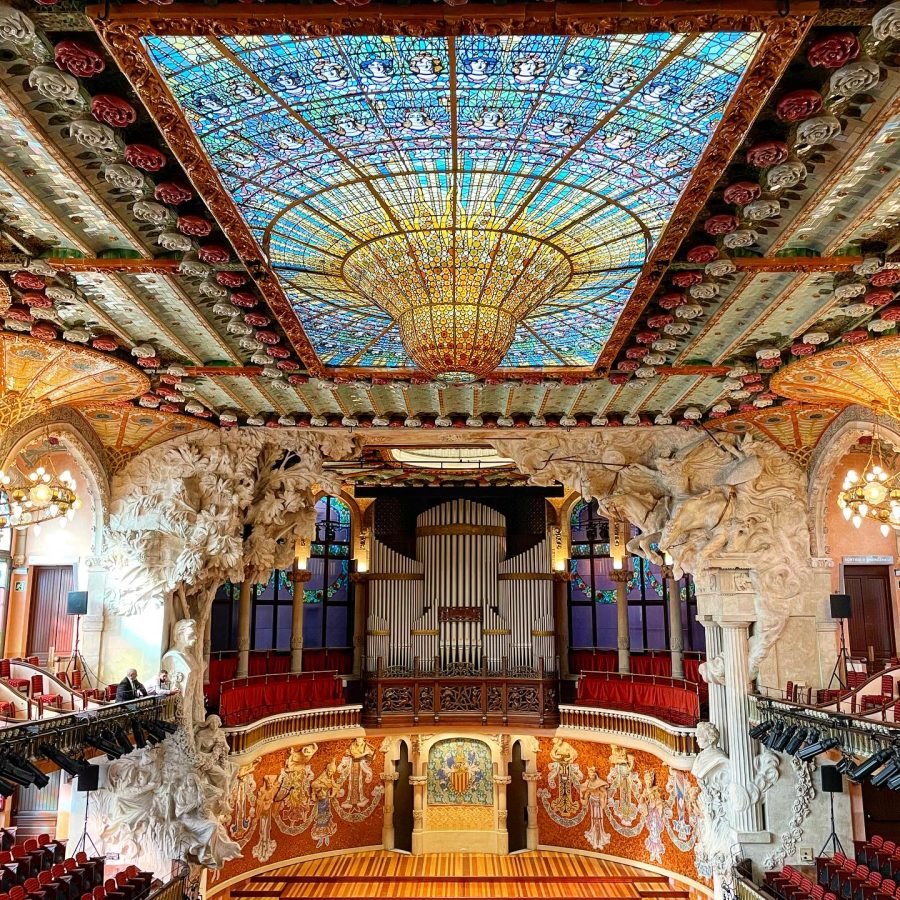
(840, 606)
(76, 603)
(832, 780)
(89, 779)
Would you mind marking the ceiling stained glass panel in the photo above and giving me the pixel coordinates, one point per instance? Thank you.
(328, 145)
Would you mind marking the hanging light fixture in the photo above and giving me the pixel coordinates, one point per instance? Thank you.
(38, 497)
(875, 494)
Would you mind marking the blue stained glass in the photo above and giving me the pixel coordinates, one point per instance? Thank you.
(326, 144)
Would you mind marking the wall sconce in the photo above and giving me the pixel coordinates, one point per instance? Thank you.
(667, 558)
(301, 553)
(617, 540)
(560, 565)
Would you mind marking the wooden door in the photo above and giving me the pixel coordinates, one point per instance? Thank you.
(880, 813)
(871, 623)
(517, 802)
(403, 802)
(49, 626)
(35, 809)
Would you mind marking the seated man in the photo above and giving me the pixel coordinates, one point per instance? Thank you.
(130, 688)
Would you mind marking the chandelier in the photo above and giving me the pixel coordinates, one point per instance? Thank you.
(873, 495)
(458, 293)
(38, 497)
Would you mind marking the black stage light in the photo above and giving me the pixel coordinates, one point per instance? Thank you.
(894, 782)
(882, 777)
(844, 764)
(138, 733)
(812, 750)
(113, 751)
(868, 766)
(154, 733)
(757, 732)
(39, 778)
(796, 741)
(6, 789)
(780, 743)
(166, 726)
(66, 763)
(117, 735)
(774, 735)
(12, 772)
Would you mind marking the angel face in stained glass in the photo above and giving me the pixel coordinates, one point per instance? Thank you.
(248, 93)
(573, 74)
(239, 159)
(348, 125)
(290, 82)
(330, 74)
(618, 81)
(210, 104)
(478, 69)
(527, 69)
(426, 67)
(417, 120)
(289, 142)
(561, 126)
(490, 120)
(621, 139)
(379, 71)
(669, 159)
(655, 92)
(697, 104)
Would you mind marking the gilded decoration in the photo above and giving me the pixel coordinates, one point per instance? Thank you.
(306, 799)
(126, 430)
(37, 375)
(866, 373)
(122, 35)
(460, 773)
(796, 429)
(626, 803)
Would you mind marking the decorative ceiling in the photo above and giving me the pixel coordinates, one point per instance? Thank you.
(387, 178)
(751, 221)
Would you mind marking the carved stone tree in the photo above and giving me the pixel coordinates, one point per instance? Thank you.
(732, 512)
(187, 516)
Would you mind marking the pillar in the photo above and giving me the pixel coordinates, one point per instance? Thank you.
(387, 830)
(243, 641)
(736, 655)
(717, 714)
(531, 834)
(501, 783)
(299, 577)
(676, 639)
(621, 577)
(360, 613)
(90, 627)
(418, 783)
(561, 618)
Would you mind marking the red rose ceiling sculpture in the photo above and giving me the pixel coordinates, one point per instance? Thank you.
(78, 59)
(112, 110)
(834, 50)
(799, 105)
(170, 192)
(767, 153)
(742, 192)
(143, 156)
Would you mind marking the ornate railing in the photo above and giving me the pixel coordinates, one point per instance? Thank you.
(525, 698)
(178, 887)
(678, 740)
(745, 889)
(293, 724)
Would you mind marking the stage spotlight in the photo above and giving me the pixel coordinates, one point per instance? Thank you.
(112, 751)
(757, 732)
(168, 727)
(868, 766)
(138, 733)
(844, 764)
(6, 789)
(774, 735)
(116, 735)
(781, 742)
(812, 750)
(66, 763)
(796, 741)
(894, 782)
(883, 777)
(154, 733)
(13, 773)
(39, 778)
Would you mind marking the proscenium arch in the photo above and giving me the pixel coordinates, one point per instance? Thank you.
(836, 441)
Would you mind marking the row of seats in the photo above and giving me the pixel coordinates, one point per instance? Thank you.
(853, 880)
(131, 884)
(880, 856)
(792, 884)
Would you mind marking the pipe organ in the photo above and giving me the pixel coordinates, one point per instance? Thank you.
(460, 606)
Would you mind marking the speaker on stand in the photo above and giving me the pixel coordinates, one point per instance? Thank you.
(76, 605)
(87, 782)
(840, 610)
(832, 783)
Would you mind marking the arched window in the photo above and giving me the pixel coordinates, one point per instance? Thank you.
(328, 613)
(592, 592)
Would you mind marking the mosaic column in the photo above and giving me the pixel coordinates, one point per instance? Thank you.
(501, 782)
(387, 831)
(418, 783)
(710, 674)
(531, 833)
(621, 578)
(676, 638)
(243, 641)
(299, 577)
(736, 656)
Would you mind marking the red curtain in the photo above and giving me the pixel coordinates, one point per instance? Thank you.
(660, 699)
(249, 699)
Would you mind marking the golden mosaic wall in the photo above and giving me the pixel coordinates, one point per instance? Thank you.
(625, 803)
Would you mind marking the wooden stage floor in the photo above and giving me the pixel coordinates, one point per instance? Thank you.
(456, 876)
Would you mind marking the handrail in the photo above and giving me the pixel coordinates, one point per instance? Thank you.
(747, 890)
(680, 740)
(304, 721)
(280, 677)
(177, 887)
(640, 678)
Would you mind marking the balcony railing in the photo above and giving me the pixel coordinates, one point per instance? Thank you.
(178, 887)
(676, 739)
(461, 693)
(293, 724)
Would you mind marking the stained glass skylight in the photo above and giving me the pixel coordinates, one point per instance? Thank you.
(338, 149)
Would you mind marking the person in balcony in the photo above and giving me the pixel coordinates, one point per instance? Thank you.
(159, 683)
(130, 688)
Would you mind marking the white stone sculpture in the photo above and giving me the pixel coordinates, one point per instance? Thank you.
(697, 498)
(717, 845)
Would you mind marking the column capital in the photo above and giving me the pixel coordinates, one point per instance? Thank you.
(531, 776)
(734, 624)
(390, 776)
(620, 576)
(417, 780)
(502, 779)
(666, 571)
(299, 576)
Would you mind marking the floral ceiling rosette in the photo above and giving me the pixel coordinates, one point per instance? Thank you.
(458, 203)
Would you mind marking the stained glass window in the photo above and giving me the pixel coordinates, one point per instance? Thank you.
(592, 592)
(332, 145)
